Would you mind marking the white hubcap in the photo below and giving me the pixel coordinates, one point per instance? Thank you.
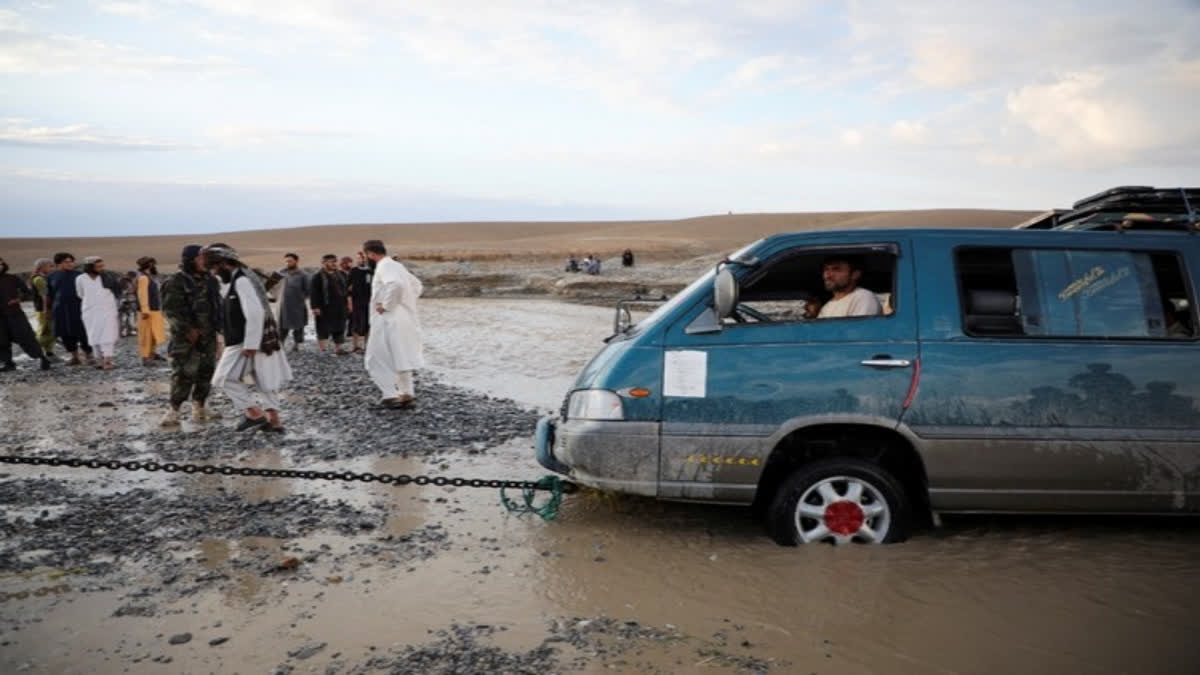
(842, 509)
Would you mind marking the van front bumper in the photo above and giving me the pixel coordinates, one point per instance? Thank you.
(543, 444)
(609, 455)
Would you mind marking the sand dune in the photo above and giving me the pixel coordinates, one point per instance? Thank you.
(650, 239)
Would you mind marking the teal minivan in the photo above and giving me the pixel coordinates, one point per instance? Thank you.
(853, 383)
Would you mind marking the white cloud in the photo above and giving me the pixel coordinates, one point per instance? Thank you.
(12, 21)
(20, 132)
(752, 71)
(1107, 117)
(249, 136)
(24, 50)
(1061, 84)
(852, 137)
(136, 9)
(942, 62)
(775, 10)
(631, 53)
(907, 131)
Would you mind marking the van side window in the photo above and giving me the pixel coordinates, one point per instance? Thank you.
(1073, 293)
(990, 303)
(793, 287)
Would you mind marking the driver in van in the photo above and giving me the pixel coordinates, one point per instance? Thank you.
(841, 275)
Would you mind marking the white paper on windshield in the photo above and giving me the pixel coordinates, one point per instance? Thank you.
(684, 373)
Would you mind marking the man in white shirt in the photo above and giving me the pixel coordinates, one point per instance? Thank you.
(841, 275)
(394, 350)
(98, 294)
(253, 344)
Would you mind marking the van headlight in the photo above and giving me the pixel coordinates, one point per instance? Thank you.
(595, 404)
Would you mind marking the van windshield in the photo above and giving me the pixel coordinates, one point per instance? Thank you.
(677, 299)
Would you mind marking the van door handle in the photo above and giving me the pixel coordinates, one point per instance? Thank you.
(885, 362)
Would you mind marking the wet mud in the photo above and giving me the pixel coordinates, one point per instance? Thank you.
(133, 572)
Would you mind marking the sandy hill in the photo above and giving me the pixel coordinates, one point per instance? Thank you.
(650, 239)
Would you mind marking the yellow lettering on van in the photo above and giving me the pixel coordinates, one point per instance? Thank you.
(720, 459)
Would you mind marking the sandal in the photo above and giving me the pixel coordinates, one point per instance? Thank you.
(251, 423)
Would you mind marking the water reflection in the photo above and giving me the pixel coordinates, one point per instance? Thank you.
(1107, 399)
(240, 561)
(1098, 396)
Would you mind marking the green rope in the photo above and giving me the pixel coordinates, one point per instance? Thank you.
(547, 511)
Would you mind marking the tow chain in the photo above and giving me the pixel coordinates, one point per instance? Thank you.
(548, 511)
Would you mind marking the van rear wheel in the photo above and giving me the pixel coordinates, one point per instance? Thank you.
(841, 500)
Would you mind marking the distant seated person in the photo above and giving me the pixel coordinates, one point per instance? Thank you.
(627, 258)
(572, 263)
(1175, 327)
(841, 275)
(592, 265)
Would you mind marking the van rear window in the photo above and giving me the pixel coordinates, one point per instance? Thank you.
(1074, 293)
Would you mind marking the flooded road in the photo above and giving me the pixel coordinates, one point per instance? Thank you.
(379, 570)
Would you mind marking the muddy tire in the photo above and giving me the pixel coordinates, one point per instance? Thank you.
(841, 500)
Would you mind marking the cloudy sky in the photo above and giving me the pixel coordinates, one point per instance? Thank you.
(200, 115)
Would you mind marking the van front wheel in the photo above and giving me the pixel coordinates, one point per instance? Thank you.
(841, 500)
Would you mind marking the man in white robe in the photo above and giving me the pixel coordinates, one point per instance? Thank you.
(99, 310)
(394, 350)
(253, 349)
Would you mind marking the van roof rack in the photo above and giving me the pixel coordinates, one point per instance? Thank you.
(1129, 207)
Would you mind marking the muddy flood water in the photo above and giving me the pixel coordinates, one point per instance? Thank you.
(105, 572)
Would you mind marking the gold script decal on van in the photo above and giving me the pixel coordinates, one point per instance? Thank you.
(1120, 274)
(1081, 283)
(717, 459)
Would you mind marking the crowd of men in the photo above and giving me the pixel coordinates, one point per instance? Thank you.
(338, 296)
(223, 332)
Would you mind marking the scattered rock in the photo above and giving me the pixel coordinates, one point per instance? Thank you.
(180, 639)
(135, 610)
(307, 651)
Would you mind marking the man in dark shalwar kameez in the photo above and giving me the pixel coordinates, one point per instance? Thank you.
(14, 325)
(329, 304)
(293, 300)
(360, 303)
(67, 309)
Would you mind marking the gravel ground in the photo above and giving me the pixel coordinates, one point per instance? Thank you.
(72, 527)
(571, 644)
(331, 413)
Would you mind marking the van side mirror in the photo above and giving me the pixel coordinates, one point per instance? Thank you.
(725, 293)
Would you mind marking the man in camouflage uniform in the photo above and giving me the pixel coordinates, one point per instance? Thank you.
(191, 304)
(41, 304)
